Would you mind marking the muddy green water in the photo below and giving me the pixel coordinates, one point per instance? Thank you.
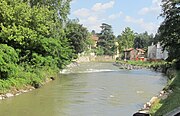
(90, 89)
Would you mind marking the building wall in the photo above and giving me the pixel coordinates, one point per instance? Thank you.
(156, 52)
(152, 52)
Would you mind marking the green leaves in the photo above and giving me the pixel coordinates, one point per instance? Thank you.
(78, 36)
(106, 40)
(169, 30)
(143, 40)
(33, 40)
(126, 39)
(8, 60)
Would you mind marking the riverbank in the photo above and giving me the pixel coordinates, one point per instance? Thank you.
(34, 78)
(171, 101)
(167, 99)
(26, 82)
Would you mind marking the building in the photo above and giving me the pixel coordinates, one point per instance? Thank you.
(134, 54)
(95, 39)
(155, 52)
(140, 54)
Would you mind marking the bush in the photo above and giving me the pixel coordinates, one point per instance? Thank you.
(8, 61)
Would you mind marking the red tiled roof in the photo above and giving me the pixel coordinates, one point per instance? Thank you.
(140, 50)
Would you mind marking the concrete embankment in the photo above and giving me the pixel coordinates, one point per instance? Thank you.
(95, 59)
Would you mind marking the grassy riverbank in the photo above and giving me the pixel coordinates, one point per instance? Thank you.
(143, 63)
(164, 106)
(25, 80)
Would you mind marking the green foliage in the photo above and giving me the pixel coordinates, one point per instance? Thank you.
(8, 60)
(143, 40)
(169, 29)
(78, 36)
(172, 102)
(35, 30)
(106, 40)
(99, 51)
(146, 63)
(32, 41)
(126, 39)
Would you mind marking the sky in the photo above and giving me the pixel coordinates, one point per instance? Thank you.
(139, 15)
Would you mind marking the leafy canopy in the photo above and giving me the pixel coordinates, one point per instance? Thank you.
(169, 30)
(106, 42)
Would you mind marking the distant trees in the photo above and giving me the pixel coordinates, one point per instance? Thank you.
(128, 39)
(143, 40)
(106, 42)
(169, 30)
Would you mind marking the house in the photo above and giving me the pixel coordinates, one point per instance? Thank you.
(140, 54)
(129, 54)
(134, 54)
(95, 39)
(155, 52)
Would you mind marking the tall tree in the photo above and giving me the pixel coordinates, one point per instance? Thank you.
(106, 39)
(126, 39)
(169, 30)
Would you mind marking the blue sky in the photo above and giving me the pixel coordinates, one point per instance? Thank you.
(139, 15)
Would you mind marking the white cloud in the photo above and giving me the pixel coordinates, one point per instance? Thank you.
(73, 1)
(101, 6)
(154, 8)
(114, 16)
(92, 23)
(147, 26)
(93, 17)
(83, 12)
(157, 2)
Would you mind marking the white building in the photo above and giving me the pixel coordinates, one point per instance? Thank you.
(156, 52)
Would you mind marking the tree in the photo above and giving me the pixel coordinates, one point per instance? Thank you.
(126, 39)
(93, 32)
(143, 40)
(106, 40)
(78, 36)
(35, 31)
(169, 30)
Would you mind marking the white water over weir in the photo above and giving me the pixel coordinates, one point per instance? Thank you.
(88, 89)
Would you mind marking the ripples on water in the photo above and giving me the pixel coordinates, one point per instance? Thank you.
(90, 89)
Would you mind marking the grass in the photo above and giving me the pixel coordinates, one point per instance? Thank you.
(171, 102)
(143, 63)
(24, 79)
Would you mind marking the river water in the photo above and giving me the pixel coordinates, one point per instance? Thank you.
(90, 89)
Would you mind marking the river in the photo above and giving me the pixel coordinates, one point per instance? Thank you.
(90, 89)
